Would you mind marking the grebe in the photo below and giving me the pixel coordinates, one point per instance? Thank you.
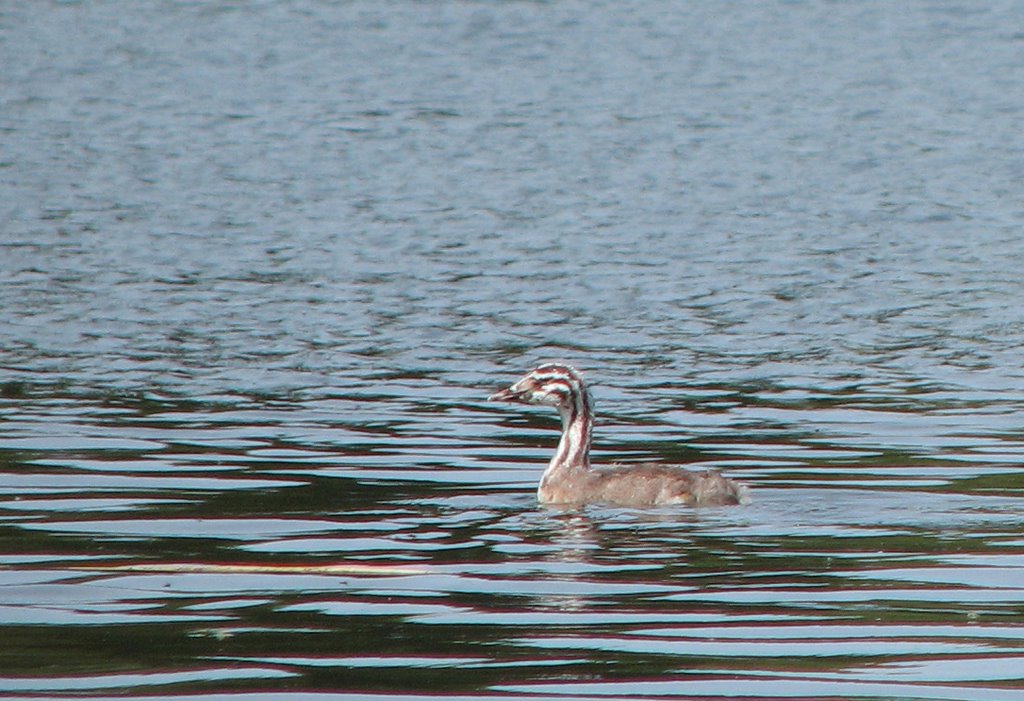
(569, 478)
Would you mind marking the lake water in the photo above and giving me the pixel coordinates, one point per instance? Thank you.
(262, 262)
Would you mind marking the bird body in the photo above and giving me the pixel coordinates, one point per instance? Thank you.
(569, 477)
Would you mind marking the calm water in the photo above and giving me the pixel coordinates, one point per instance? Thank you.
(261, 262)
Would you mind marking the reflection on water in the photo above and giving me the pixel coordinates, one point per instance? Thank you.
(261, 264)
(853, 571)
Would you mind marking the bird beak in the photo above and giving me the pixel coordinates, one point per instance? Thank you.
(505, 395)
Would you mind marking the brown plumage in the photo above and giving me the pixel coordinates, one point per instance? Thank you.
(569, 477)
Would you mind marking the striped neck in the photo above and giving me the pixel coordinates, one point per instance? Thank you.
(577, 421)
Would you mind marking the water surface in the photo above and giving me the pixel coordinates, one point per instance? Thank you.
(261, 263)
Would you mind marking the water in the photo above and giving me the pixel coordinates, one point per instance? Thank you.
(261, 263)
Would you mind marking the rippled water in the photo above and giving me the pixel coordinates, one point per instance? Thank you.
(261, 263)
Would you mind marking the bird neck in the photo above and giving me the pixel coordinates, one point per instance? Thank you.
(574, 446)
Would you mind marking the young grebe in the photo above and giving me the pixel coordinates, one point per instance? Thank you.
(569, 478)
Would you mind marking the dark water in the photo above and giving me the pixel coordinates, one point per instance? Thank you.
(261, 262)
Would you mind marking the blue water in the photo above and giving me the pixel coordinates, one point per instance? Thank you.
(262, 263)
